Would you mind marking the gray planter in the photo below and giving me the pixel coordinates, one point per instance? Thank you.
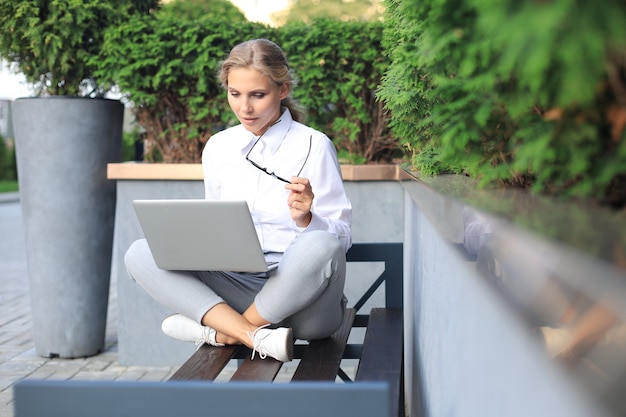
(63, 145)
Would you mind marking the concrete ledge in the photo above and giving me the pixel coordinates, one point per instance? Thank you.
(149, 171)
(156, 171)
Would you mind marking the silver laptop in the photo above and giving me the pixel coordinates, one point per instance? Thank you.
(201, 235)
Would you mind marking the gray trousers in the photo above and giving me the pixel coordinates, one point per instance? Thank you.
(305, 292)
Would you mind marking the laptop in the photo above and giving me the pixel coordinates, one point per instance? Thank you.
(201, 235)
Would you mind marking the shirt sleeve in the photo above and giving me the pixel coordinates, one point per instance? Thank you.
(210, 170)
(332, 210)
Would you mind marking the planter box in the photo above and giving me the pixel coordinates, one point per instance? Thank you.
(487, 274)
(378, 205)
(63, 145)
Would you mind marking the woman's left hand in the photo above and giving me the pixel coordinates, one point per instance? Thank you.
(300, 200)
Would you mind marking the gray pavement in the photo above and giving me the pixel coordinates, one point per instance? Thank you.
(18, 359)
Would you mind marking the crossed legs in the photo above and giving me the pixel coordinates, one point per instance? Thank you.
(304, 293)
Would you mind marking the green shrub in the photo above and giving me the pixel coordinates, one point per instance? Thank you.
(129, 145)
(12, 163)
(190, 9)
(8, 165)
(339, 66)
(4, 159)
(310, 10)
(512, 92)
(167, 63)
(53, 42)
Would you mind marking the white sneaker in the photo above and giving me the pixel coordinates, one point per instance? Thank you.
(183, 328)
(277, 343)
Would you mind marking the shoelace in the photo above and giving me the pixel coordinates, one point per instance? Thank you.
(257, 344)
(204, 338)
(208, 337)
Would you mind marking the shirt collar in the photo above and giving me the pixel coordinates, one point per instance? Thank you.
(275, 134)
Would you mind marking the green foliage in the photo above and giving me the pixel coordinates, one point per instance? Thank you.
(8, 167)
(166, 64)
(4, 159)
(129, 145)
(194, 8)
(52, 41)
(339, 66)
(308, 11)
(12, 175)
(346, 157)
(512, 92)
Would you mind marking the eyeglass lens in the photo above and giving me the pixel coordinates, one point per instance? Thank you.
(271, 173)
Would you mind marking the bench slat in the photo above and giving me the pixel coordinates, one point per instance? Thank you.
(380, 356)
(381, 359)
(206, 363)
(257, 369)
(321, 361)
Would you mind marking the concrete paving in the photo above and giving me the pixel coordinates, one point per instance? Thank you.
(18, 359)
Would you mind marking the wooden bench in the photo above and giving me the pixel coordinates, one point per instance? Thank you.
(318, 386)
(379, 354)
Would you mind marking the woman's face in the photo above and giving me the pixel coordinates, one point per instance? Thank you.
(254, 98)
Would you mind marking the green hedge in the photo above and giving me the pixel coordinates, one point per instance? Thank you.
(166, 65)
(512, 92)
(54, 42)
(4, 159)
(8, 167)
(339, 66)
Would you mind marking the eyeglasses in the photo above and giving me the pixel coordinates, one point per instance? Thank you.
(273, 174)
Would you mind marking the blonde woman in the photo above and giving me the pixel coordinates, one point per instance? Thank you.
(290, 177)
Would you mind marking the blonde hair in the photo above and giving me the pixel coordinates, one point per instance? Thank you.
(268, 58)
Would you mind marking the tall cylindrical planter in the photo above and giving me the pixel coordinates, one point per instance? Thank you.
(63, 145)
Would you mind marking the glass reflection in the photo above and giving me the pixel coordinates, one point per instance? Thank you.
(561, 266)
(573, 303)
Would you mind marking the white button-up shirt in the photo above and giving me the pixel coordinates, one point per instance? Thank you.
(282, 149)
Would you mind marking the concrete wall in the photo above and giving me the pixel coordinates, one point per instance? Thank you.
(467, 352)
(140, 340)
(470, 350)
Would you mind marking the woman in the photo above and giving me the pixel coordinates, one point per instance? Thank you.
(289, 175)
